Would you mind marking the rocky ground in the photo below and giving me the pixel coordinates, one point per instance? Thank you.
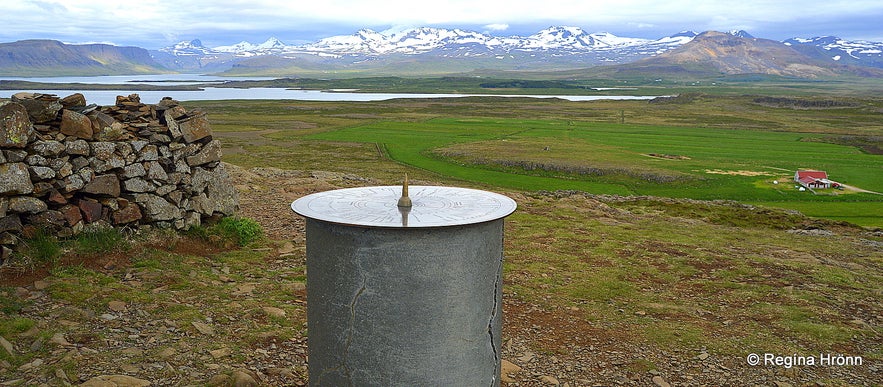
(246, 323)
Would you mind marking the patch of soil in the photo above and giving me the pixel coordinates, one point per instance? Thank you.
(738, 173)
(669, 157)
(20, 276)
(23, 276)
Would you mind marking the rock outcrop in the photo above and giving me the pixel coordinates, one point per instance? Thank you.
(65, 164)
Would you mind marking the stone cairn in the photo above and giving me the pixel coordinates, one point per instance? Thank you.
(65, 164)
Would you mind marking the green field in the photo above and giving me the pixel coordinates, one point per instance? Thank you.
(603, 158)
(698, 146)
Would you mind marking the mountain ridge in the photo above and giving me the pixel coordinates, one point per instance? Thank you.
(554, 48)
(430, 51)
(425, 39)
(38, 57)
(714, 54)
(418, 51)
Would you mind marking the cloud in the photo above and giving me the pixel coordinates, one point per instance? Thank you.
(152, 23)
(642, 25)
(47, 6)
(496, 27)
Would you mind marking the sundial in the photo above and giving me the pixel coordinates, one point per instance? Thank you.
(383, 206)
(377, 254)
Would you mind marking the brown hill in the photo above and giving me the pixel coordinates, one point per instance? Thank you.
(715, 54)
(729, 54)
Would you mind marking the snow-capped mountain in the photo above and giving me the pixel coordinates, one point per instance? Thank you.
(554, 47)
(272, 45)
(364, 41)
(422, 40)
(832, 48)
(567, 38)
(193, 55)
(242, 47)
(741, 34)
(557, 47)
(412, 41)
(193, 47)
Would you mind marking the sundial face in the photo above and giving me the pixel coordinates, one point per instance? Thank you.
(431, 206)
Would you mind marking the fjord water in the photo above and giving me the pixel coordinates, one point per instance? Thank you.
(209, 93)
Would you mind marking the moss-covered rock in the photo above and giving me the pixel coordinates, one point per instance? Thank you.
(15, 125)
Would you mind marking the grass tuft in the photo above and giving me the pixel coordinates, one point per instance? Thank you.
(41, 248)
(199, 232)
(243, 231)
(100, 240)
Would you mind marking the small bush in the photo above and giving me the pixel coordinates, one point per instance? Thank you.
(242, 231)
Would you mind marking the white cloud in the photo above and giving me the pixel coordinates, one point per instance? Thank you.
(496, 27)
(159, 20)
(642, 25)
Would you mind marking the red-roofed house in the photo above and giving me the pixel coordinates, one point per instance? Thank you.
(812, 179)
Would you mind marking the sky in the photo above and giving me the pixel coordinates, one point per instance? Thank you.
(153, 24)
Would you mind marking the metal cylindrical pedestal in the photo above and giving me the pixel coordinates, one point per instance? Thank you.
(414, 302)
(404, 306)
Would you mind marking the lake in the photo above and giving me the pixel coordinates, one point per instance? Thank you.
(108, 97)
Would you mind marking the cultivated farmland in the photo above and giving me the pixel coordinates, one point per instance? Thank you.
(710, 148)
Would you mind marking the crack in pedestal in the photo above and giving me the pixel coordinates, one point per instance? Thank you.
(349, 337)
(490, 324)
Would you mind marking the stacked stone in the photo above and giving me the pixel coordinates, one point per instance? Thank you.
(65, 164)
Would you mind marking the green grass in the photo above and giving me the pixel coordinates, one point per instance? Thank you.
(410, 143)
(700, 163)
(77, 284)
(236, 230)
(100, 240)
(10, 304)
(860, 213)
(642, 275)
(41, 248)
(243, 231)
(15, 326)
